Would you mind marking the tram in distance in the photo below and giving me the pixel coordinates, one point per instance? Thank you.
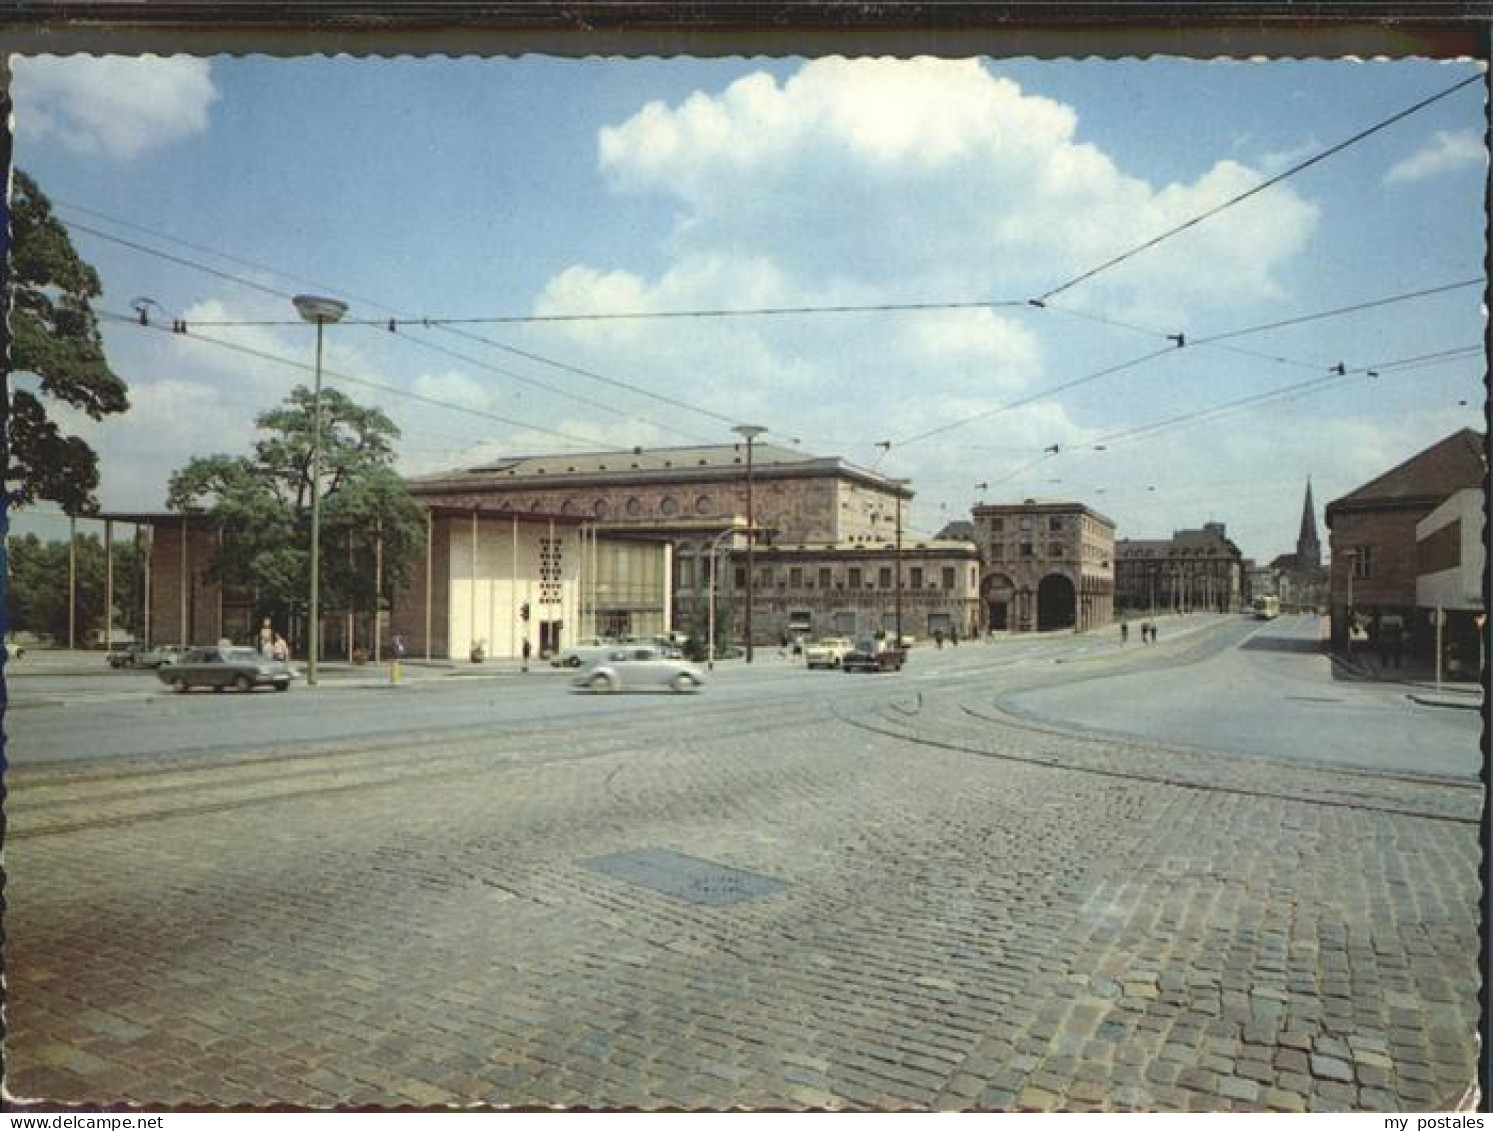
(1266, 608)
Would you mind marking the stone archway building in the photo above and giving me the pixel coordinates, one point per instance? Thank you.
(1047, 566)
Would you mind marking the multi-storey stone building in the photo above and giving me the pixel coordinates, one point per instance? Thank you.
(1047, 565)
(809, 513)
(855, 590)
(1192, 570)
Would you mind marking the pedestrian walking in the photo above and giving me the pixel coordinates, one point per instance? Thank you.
(938, 637)
(1153, 633)
(279, 650)
(954, 637)
(526, 651)
(266, 638)
(1124, 632)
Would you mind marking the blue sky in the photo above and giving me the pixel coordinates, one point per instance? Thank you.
(468, 188)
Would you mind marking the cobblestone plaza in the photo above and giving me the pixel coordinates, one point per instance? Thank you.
(904, 899)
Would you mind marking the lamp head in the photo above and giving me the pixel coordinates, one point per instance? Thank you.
(314, 308)
(749, 431)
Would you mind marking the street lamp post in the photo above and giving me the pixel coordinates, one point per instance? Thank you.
(750, 432)
(1352, 556)
(900, 485)
(320, 311)
(715, 549)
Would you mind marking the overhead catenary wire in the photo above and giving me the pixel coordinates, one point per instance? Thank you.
(423, 343)
(1269, 182)
(264, 355)
(1206, 340)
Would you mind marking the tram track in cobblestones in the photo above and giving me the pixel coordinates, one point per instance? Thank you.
(1332, 795)
(389, 761)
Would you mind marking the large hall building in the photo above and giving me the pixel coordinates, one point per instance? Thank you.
(826, 552)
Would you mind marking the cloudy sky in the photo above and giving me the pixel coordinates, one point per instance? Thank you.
(534, 188)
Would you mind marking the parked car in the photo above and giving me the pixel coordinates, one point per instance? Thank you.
(587, 651)
(625, 669)
(873, 656)
(241, 668)
(139, 656)
(827, 653)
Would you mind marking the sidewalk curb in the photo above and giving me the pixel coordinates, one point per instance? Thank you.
(1430, 701)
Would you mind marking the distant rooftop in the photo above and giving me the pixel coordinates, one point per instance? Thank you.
(639, 462)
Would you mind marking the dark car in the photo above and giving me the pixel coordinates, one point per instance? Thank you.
(873, 656)
(241, 668)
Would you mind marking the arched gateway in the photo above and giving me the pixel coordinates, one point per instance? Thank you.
(999, 594)
(1057, 605)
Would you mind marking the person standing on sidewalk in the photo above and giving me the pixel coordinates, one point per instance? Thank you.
(526, 651)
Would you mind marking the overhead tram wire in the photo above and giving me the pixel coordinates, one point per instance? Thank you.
(426, 344)
(1210, 340)
(1285, 392)
(1269, 182)
(390, 389)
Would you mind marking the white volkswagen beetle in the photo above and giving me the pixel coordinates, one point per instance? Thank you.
(626, 669)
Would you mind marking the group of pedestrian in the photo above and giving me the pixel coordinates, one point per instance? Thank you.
(1147, 632)
(271, 643)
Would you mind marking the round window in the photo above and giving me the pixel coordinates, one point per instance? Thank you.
(669, 505)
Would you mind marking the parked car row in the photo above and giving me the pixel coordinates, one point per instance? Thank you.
(864, 655)
(140, 656)
(594, 648)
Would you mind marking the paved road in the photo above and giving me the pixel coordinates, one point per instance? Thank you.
(794, 890)
(1271, 692)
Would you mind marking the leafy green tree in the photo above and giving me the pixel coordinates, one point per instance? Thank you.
(263, 504)
(57, 354)
(36, 595)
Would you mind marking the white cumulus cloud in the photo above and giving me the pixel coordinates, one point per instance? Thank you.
(110, 105)
(918, 172)
(1445, 153)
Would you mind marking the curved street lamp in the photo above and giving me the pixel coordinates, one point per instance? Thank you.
(314, 308)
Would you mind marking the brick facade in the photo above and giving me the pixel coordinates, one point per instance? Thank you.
(1373, 532)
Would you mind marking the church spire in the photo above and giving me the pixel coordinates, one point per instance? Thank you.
(1308, 549)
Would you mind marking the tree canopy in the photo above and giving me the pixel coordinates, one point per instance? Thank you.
(36, 593)
(56, 351)
(262, 503)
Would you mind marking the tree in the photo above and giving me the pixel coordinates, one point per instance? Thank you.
(56, 349)
(262, 503)
(36, 595)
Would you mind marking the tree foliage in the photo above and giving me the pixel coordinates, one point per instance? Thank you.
(56, 351)
(262, 502)
(36, 595)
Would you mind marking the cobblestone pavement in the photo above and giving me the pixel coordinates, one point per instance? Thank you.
(991, 916)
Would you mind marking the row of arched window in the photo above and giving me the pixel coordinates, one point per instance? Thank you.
(633, 507)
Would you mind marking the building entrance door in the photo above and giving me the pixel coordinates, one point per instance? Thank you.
(999, 615)
(549, 637)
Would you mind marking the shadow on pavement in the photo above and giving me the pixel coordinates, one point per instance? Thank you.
(1283, 644)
